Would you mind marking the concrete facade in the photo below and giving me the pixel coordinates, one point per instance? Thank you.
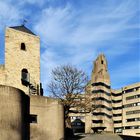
(127, 110)
(14, 110)
(47, 126)
(101, 95)
(117, 110)
(25, 114)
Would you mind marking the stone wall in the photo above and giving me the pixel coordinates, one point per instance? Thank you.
(14, 111)
(17, 59)
(50, 119)
(2, 74)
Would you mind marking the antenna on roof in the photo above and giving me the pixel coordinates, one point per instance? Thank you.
(24, 22)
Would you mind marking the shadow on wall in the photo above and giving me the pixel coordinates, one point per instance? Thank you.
(14, 113)
(124, 137)
(25, 110)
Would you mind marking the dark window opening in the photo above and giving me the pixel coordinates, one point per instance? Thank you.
(101, 84)
(116, 108)
(117, 115)
(25, 77)
(119, 121)
(23, 47)
(102, 62)
(101, 114)
(33, 118)
(97, 121)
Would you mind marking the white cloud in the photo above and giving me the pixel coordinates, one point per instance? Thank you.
(76, 35)
(9, 13)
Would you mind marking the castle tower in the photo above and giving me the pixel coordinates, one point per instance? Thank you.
(101, 95)
(22, 59)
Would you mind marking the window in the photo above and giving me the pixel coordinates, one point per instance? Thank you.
(97, 121)
(101, 84)
(119, 121)
(133, 119)
(132, 105)
(33, 118)
(25, 77)
(133, 112)
(133, 97)
(132, 127)
(117, 115)
(102, 62)
(23, 47)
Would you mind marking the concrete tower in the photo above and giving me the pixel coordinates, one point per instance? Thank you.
(22, 59)
(100, 72)
(100, 86)
(101, 96)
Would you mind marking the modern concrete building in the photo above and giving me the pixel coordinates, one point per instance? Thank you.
(118, 111)
(24, 112)
(126, 110)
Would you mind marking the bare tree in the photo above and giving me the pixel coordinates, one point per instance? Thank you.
(67, 85)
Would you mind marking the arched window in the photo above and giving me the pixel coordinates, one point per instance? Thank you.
(23, 47)
(25, 77)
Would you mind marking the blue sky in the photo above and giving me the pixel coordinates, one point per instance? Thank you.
(77, 31)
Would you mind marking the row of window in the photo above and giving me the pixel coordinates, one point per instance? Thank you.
(119, 121)
(108, 101)
(103, 106)
(117, 115)
(133, 112)
(132, 127)
(101, 84)
(133, 120)
(102, 99)
(97, 121)
(119, 129)
(102, 114)
(116, 101)
(116, 95)
(108, 108)
(126, 91)
(132, 105)
(101, 91)
(133, 97)
(117, 108)
(131, 90)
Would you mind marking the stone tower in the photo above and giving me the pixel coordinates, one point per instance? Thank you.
(101, 95)
(22, 59)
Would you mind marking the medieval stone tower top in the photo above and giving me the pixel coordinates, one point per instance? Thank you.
(100, 71)
(22, 59)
